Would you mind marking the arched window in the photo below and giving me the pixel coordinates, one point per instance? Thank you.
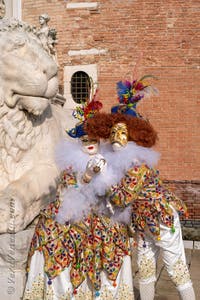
(89, 72)
(80, 86)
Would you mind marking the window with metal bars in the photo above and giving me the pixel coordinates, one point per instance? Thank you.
(80, 87)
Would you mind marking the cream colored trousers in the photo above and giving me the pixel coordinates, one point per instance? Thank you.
(172, 248)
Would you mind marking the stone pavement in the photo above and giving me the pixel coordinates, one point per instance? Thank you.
(165, 289)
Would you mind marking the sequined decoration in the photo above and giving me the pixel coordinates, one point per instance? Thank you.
(147, 267)
(180, 273)
(151, 202)
(88, 247)
(38, 291)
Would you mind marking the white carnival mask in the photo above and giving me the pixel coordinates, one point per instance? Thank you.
(88, 145)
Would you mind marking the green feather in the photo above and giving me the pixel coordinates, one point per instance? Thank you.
(148, 76)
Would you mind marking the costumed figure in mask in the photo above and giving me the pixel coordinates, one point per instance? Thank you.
(155, 209)
(77, 252)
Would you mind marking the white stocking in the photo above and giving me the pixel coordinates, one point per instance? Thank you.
(147, 291)
(187, 294)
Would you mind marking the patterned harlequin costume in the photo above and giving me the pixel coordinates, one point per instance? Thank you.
(151, 202)
(155, 209)
(63, 258)
(154, 219)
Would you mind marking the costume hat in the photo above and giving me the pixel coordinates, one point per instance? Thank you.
(82, 113)
(130, 93)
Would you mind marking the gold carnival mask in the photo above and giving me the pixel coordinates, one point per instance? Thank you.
(119, 136)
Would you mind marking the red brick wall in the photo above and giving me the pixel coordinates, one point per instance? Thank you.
(189, 192)
(167, 34)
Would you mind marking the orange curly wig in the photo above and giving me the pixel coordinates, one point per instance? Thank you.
(139, 130)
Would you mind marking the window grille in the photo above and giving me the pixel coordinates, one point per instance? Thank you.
(80, 86)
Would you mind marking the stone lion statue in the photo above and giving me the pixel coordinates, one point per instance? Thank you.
(29, 125)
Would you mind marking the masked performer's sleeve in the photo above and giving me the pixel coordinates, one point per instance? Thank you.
(130, 186)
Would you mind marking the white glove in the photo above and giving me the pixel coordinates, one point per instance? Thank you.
(94, 166)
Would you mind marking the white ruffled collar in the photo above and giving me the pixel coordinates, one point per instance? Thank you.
(70, 154)
(77, 202)
(129, 155)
